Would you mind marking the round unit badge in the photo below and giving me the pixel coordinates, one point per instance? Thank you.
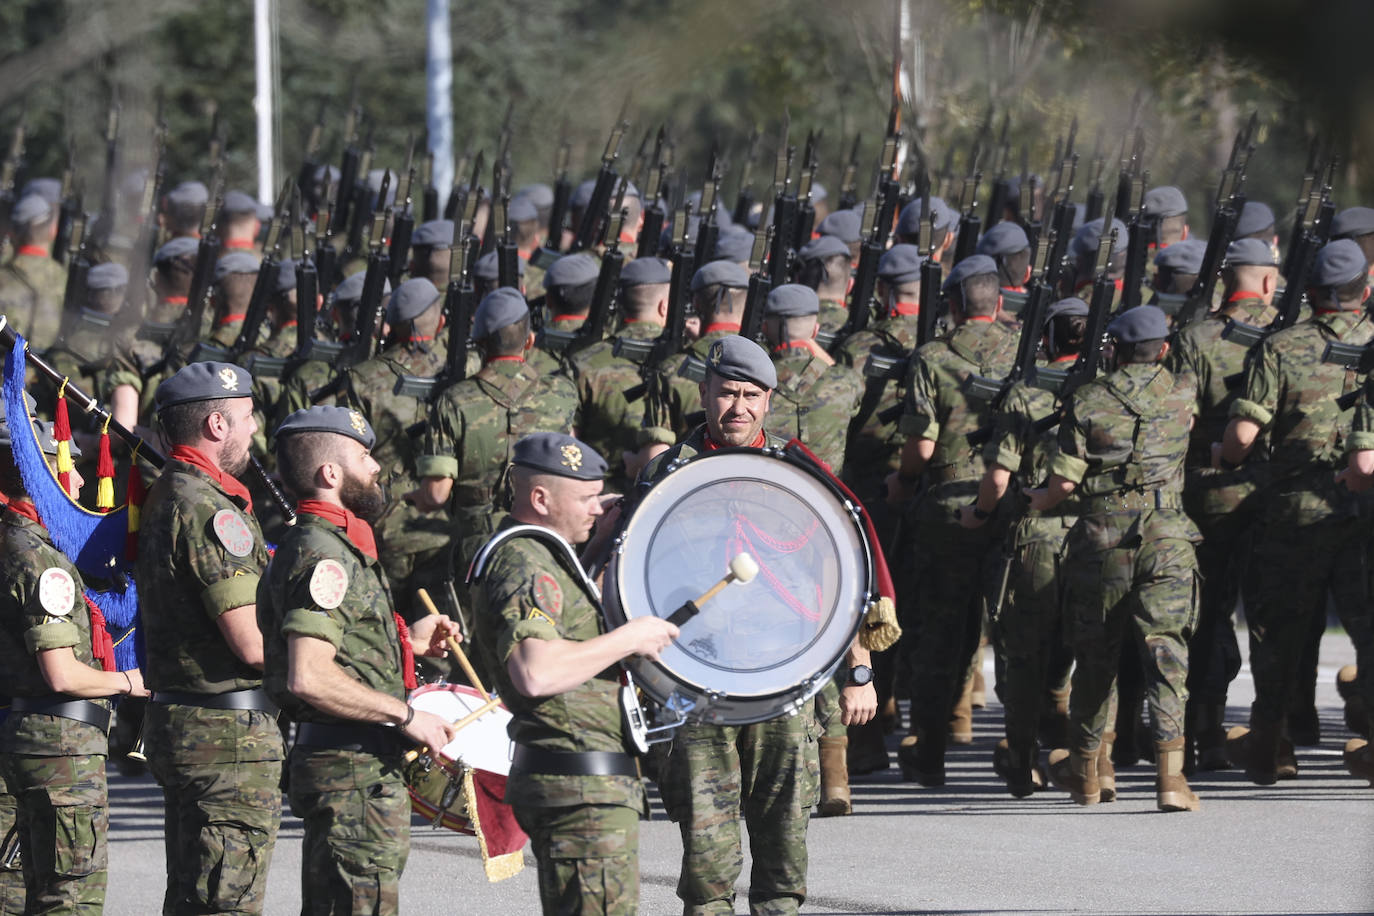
(57, 592)
(328, 584)
(233, 532)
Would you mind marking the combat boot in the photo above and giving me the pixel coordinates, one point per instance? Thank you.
(1171, 788)
(1286, 764)
(1106, 773)
(867, 748)
(922, 757)
(1076, 773)
(835, 800)
(1356, 713)
(979, 696)
(1359, 759)
(1211, 737)
(1017, 767)
(1256, 750)
(961, 722)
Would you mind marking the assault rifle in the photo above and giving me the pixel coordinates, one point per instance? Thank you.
(403, 222)
(1229, 203)
(558, 213)
(744, 197)
(594, 216)
(78, 265)
(931, 273)
(970, 226)
(784, 212)
(70, 207)
(310, 164)
(650, 232)
(348, 173)
(806, 210)
(188, 328)
(109, 197)
(1097, 197)
(760, 283)
(429, 207)
(707, 229)
(599, 318)
(266, 283)
(848, 189)
(865, 277)
(1314, 223)
(997, 194)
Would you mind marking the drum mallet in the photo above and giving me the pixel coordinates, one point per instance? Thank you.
(455, 648)
(743, 569)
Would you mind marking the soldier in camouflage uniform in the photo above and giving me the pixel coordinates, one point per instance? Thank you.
(411, 540)
(939, 412)
(338, 662)
(1028, 631)
(767, 772)
(1223, 504)
(32, 284)
(1358, 476)
(825, 265)
(211, 732)
(473, 424)
(570, 285)
(539, 628)
(235, 275)
(58, 673)
(1310, 535)
(1129, 569)
(160, 346)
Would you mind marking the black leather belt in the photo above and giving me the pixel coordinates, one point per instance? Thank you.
(573, 763)
(366, 739)
(254, 698)
(67, 708)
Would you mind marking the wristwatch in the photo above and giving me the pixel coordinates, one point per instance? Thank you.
(860, 676)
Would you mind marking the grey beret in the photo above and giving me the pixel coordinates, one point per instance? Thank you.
(1086, 239)
(734, 243)
(521, 210)
(791, 300)
(31, 208)
(571, 270)
(107, 276)
(541, 195)
(818, 192)
(1003, 239)
(411, 299)
(1338, 263)
(488, 267)
(434, 233)
(741, 360)
(498, 309)
(845, 225)
(646, 272)
(204, 382)
(239, 203)
(265, 212)
(909, 223)
(189, 194)
(822, 248)
(1353, 221)
(343, 421)
(352, 287)
(1183, 257)
(1165, 200)
(558, 454)
(1255, 217)
(1144, 322)
(330, 172)
(900, 264)
(975, 265)
(286, 275)
(50, 189)
(582, 194)
(1255, 252)
(721, 273)
(1071, 305)
(236, 262)
(182, 246)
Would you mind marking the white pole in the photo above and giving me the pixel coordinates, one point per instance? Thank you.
(439, 95)
(262, 102)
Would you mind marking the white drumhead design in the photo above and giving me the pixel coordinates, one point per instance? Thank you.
(482, 744)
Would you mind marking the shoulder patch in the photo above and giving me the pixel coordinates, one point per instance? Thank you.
(328, 584)
(233, 532)
(56, 591)
(547, 595)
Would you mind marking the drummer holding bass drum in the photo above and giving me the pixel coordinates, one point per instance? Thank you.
(338, 659)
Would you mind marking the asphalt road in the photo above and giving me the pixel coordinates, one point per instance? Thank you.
(1302, 847)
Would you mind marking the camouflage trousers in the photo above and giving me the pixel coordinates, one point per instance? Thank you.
(11, 876)
(220, 772)
(1293, 571)
(770, 773)
(828, 705)
(357, 830)
(1213, 652)
(62, 817)
(1030, 638)
(1145, 593)
(588, 858)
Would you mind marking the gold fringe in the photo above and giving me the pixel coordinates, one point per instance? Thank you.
(498, 868)
(880, 629)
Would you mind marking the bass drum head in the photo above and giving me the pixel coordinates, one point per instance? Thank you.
(757, 649)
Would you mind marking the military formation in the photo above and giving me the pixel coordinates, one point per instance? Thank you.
(1087, 441)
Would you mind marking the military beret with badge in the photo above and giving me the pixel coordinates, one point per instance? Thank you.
(558, 454)
(205, 381)
(342, 421)
(741, 360)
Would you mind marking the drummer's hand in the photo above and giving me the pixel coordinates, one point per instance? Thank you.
(428, 730)
(858, 704)
(649, 636)
(431, 631)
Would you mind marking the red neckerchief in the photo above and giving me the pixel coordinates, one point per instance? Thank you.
(1067, 358)
(359, 534)
(567, 318)
(177, 300)
(1013, 289)
(793, 345)
(1243, 294)
(715, 326)
(287, 324)
(34, 251)
(229, 319)
(419, 338)
(228, 483)
(905, 308)
(503, 359)
(986, 319)
(240, 244)
(525, 252)
(712, 444)
(27, 509)
(627, 238)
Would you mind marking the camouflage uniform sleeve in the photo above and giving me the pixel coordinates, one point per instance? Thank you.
(441, 442)
(1011, 431)
(523, 603)
(226, 581)
(919, 414)
(1362, 430)
(1070, 462)
(301, 615)
(42, 629)
(1260, 395)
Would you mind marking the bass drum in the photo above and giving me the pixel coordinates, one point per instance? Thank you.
(759, 649)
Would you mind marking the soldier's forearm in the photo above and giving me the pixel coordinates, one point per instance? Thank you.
(314, 677)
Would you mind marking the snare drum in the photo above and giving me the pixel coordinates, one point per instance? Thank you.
(756, 650)
(435, 780)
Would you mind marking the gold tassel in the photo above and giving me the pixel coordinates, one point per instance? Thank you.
(880, 629)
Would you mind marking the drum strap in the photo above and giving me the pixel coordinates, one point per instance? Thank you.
(560, 548)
